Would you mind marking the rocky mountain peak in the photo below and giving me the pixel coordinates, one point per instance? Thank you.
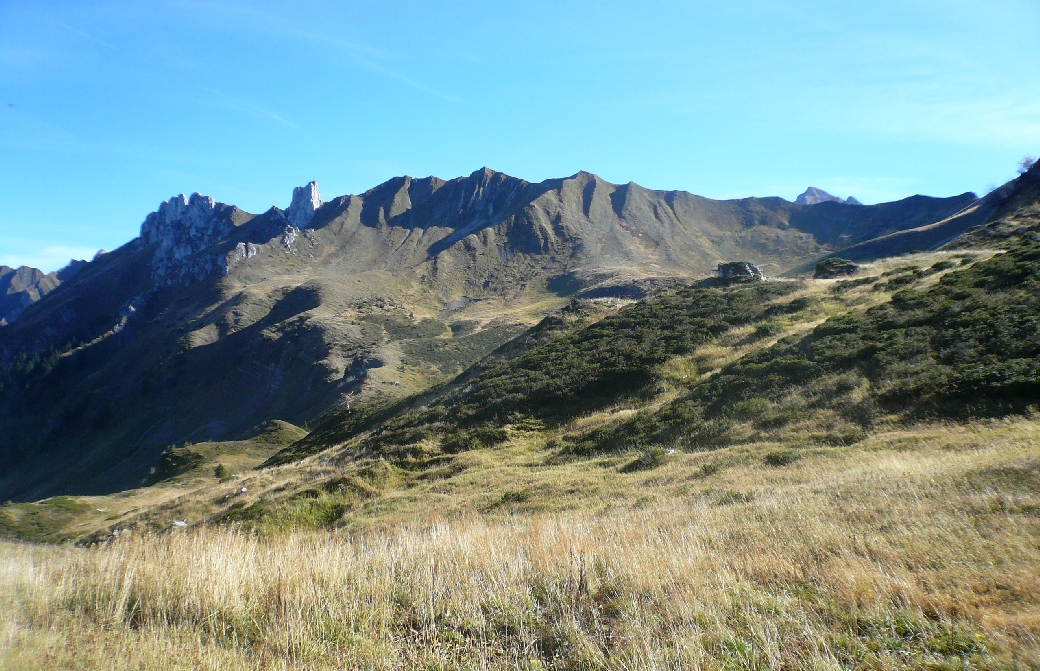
(21, 287)
(179, 216)
(305, 202)
(180, 228)
(813, 196)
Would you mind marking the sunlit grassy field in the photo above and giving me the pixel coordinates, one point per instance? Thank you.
(912, 549)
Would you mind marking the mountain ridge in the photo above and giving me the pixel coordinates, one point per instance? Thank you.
(215, 319)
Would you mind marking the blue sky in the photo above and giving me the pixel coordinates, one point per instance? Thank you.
(108, 108)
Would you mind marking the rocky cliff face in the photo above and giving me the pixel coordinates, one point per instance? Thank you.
(181, 228)
(305, 202)
(195, 237)
(20, 288)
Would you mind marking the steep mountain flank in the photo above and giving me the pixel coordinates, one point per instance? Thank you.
(845, 227)
(214, 319)
(1015, 212)
(993, 221)
(955, 339)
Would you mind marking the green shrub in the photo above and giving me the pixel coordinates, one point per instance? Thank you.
(968, 345)
(779, 458)
(956, 642)
(710, 469)
(751, 408)
(729, 497)
(835, 267)
(516, 496)
(174, 461)
(221, 473)
(648, 459)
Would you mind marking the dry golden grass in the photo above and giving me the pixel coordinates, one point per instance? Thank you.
(911, 550)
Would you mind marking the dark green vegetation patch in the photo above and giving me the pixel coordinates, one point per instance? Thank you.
(966, 346)
(829, 269)
(174, 461)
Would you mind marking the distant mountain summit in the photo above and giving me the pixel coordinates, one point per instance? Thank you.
(20, 288)
(23, 286)
(814, 196)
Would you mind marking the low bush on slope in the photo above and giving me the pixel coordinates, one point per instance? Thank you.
(614, 358)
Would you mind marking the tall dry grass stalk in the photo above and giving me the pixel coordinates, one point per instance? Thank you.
(902, 560)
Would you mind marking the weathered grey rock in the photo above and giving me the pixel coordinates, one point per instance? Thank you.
(289, 236)
(241, 252)
(305, 202)
(181, 228)
(740, 271)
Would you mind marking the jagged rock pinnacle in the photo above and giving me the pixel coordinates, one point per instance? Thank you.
(305, 202)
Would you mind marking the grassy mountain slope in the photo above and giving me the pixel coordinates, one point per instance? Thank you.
(1017, 214)
(181, 472)
(963, 344)
(792, 474)
(989, 222)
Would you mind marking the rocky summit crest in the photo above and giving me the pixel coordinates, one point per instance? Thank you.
(186, 232)
(181, 228)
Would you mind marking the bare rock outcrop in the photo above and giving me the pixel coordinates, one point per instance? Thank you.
(305, 202)
(740, 271)
(181, 228)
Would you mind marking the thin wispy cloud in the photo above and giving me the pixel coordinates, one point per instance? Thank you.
(240, 105)
(357, 54)
(86, 35)
(408, 81)
(24, 131)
